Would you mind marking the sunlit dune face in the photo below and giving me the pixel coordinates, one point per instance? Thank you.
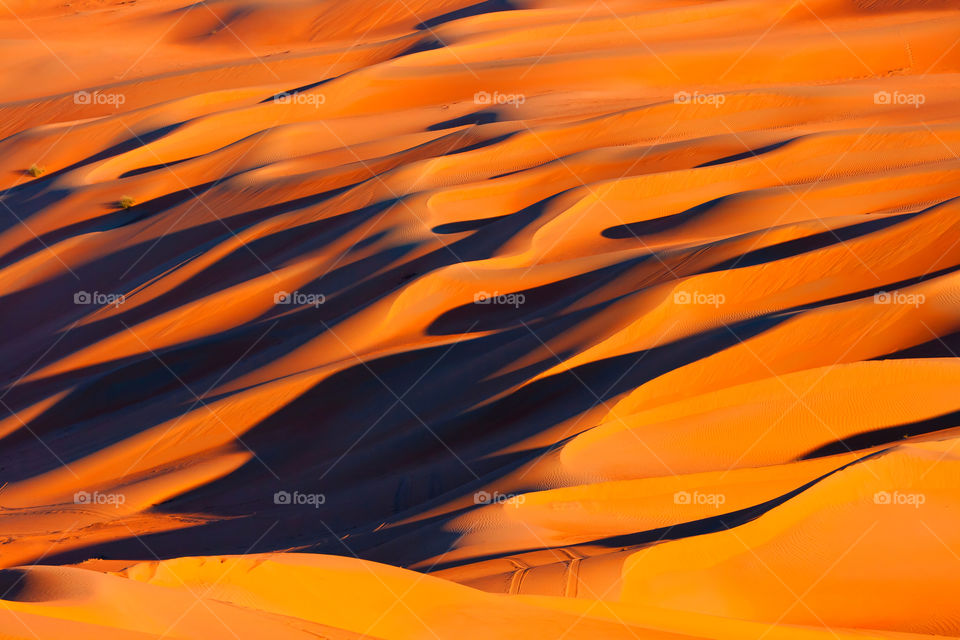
(507, 319)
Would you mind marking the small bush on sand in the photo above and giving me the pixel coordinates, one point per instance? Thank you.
(36, 170)
(126, 202)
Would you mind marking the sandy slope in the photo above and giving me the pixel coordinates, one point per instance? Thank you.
(712, 392)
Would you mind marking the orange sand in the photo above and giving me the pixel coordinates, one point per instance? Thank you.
(711, 391)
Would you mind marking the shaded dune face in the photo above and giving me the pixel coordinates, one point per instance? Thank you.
(528, 318)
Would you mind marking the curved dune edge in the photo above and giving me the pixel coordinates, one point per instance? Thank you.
(306, 596)
(520, 319)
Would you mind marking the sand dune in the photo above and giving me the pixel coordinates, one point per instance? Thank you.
(526, 318)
